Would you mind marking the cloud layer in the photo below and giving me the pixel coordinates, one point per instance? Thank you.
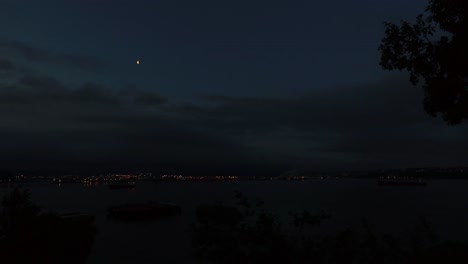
(40, 55)
(47, 123)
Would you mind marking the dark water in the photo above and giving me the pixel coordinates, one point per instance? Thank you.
(390, 209)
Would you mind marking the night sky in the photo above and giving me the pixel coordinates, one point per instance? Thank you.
(222, 87)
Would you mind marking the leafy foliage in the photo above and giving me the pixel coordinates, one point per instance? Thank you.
(250, 234)
(28, 235)
(434, 50)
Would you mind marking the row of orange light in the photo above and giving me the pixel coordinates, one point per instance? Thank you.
(197, 177)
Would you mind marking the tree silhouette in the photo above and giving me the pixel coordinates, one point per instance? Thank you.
(249, 233)
(28, 235)
(435, 51)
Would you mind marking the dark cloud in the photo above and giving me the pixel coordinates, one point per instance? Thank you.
(274, 58)
(387, 103)
(32, 89)
(151, 143)
(8, 70)
(150, 99)
(28, 52)
(42, 83)
(372, 125)
(45, 122)
(83, 62)
(6, 65)
(93, 93)
(41, 55)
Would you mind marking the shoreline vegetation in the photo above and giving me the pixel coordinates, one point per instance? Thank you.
(31, 235)
(248, 233)
(245, 232)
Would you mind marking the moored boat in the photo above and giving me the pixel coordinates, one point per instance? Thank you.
(77, 217)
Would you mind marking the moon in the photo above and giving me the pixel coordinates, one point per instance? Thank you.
(138, 62)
